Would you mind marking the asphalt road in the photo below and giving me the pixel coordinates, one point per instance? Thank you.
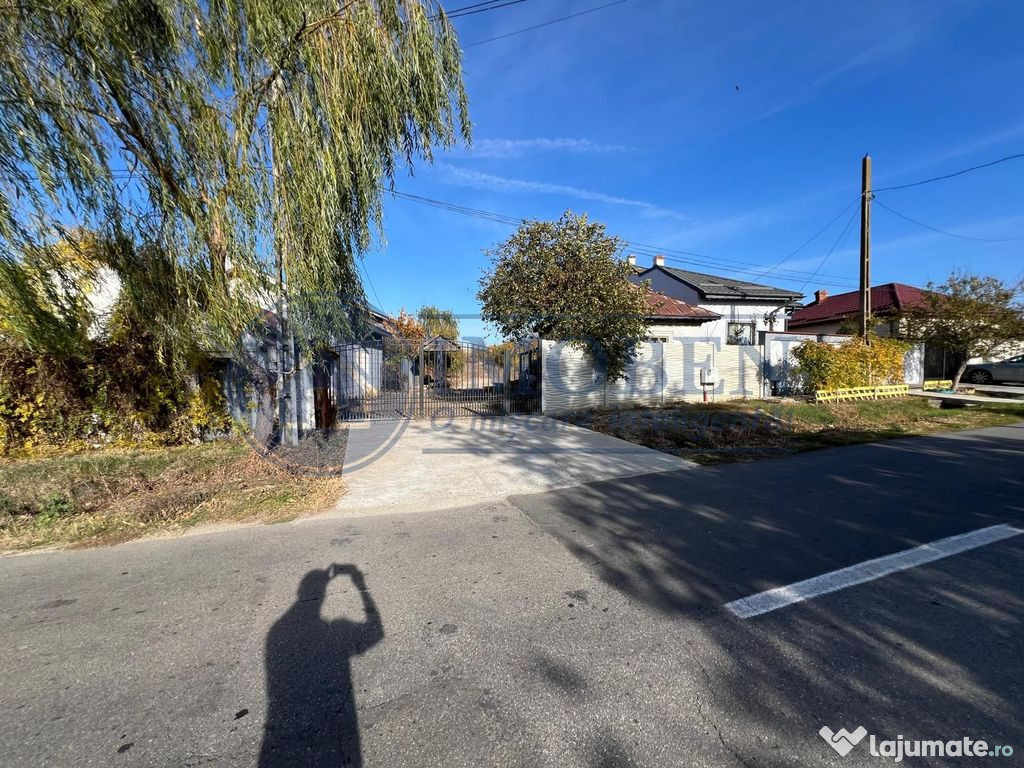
(582, 627)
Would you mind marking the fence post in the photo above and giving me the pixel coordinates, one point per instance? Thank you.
(540, 371)
(663, 381)
(423, 377)
(507, 381)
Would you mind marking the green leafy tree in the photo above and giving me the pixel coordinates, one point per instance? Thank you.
(564, 280)
(238, 146)
(971, 316)
(438, 322)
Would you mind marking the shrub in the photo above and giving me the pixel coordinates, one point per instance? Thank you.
(853, 363)
(112, 391)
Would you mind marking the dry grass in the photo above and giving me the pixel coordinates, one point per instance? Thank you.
(103, 497)
(744, 430)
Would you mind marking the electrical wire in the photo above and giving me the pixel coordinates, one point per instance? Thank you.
(643, 248)
(366, 274)
(700, 266)
(461, 12)
(831, 250)
(691, 255)
(470, 7)
(951, 175)
(683, 257)
(943, 231)
(811, 240)
(544, 24)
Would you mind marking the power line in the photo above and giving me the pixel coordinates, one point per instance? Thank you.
(752, 268)
(544, 24)
(944, 232)
(643, 248)
(811, 240)
(831, 250)
(469, 10)
(951, 175)
(366, 273)
(470, 7)
(717, 266)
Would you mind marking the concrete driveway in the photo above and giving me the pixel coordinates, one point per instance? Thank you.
(409, 466)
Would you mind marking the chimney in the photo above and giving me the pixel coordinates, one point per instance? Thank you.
(631, 259)
(659, 261)
(820, 296)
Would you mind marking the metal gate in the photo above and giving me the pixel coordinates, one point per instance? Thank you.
(401, 379)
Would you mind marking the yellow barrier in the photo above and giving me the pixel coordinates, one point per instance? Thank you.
(860, 393)
(937, 384)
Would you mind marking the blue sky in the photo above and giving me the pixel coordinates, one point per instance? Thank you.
(632, 115)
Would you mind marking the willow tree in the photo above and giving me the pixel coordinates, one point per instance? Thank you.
(438, 322)
(238, 143)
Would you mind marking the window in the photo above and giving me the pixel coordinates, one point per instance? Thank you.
(656, 339)
(741, 334)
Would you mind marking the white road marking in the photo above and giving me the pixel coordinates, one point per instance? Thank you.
(869, 570)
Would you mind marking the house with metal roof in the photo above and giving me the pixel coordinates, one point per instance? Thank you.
(668, 318)
(841, 313)
(742, 308)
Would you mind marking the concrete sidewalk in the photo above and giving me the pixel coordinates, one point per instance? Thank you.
(408, 466)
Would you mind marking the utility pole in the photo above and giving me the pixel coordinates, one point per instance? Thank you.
(865, 245)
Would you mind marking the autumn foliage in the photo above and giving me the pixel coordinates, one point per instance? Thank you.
(853, 363)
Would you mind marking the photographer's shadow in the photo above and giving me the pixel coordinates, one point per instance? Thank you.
(311, 713)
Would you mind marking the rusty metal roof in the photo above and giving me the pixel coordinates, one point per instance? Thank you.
(662, 307)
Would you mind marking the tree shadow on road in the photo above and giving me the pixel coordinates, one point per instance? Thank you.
(311, 711)
(930, 653)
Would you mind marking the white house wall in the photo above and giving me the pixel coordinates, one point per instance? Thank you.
(673, 332)
(730, 312)
(661, 373)
(745, 313)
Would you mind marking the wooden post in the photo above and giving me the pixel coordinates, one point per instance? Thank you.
(865, 245)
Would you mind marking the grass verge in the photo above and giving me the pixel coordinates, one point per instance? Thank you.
(103, 497)
(745, 430)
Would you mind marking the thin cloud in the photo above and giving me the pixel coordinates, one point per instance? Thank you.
(486, 181)
(506, 148)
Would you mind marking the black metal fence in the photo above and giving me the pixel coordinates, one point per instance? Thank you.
(400, 379)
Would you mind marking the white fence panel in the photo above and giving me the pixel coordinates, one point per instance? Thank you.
(667, 372)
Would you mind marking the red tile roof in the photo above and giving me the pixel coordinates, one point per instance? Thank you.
(662, 307)
(886, 300)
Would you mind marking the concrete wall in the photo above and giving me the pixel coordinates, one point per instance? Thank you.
(661, 373)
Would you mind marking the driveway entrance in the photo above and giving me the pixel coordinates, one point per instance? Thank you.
(393, 378)
(408, 466)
